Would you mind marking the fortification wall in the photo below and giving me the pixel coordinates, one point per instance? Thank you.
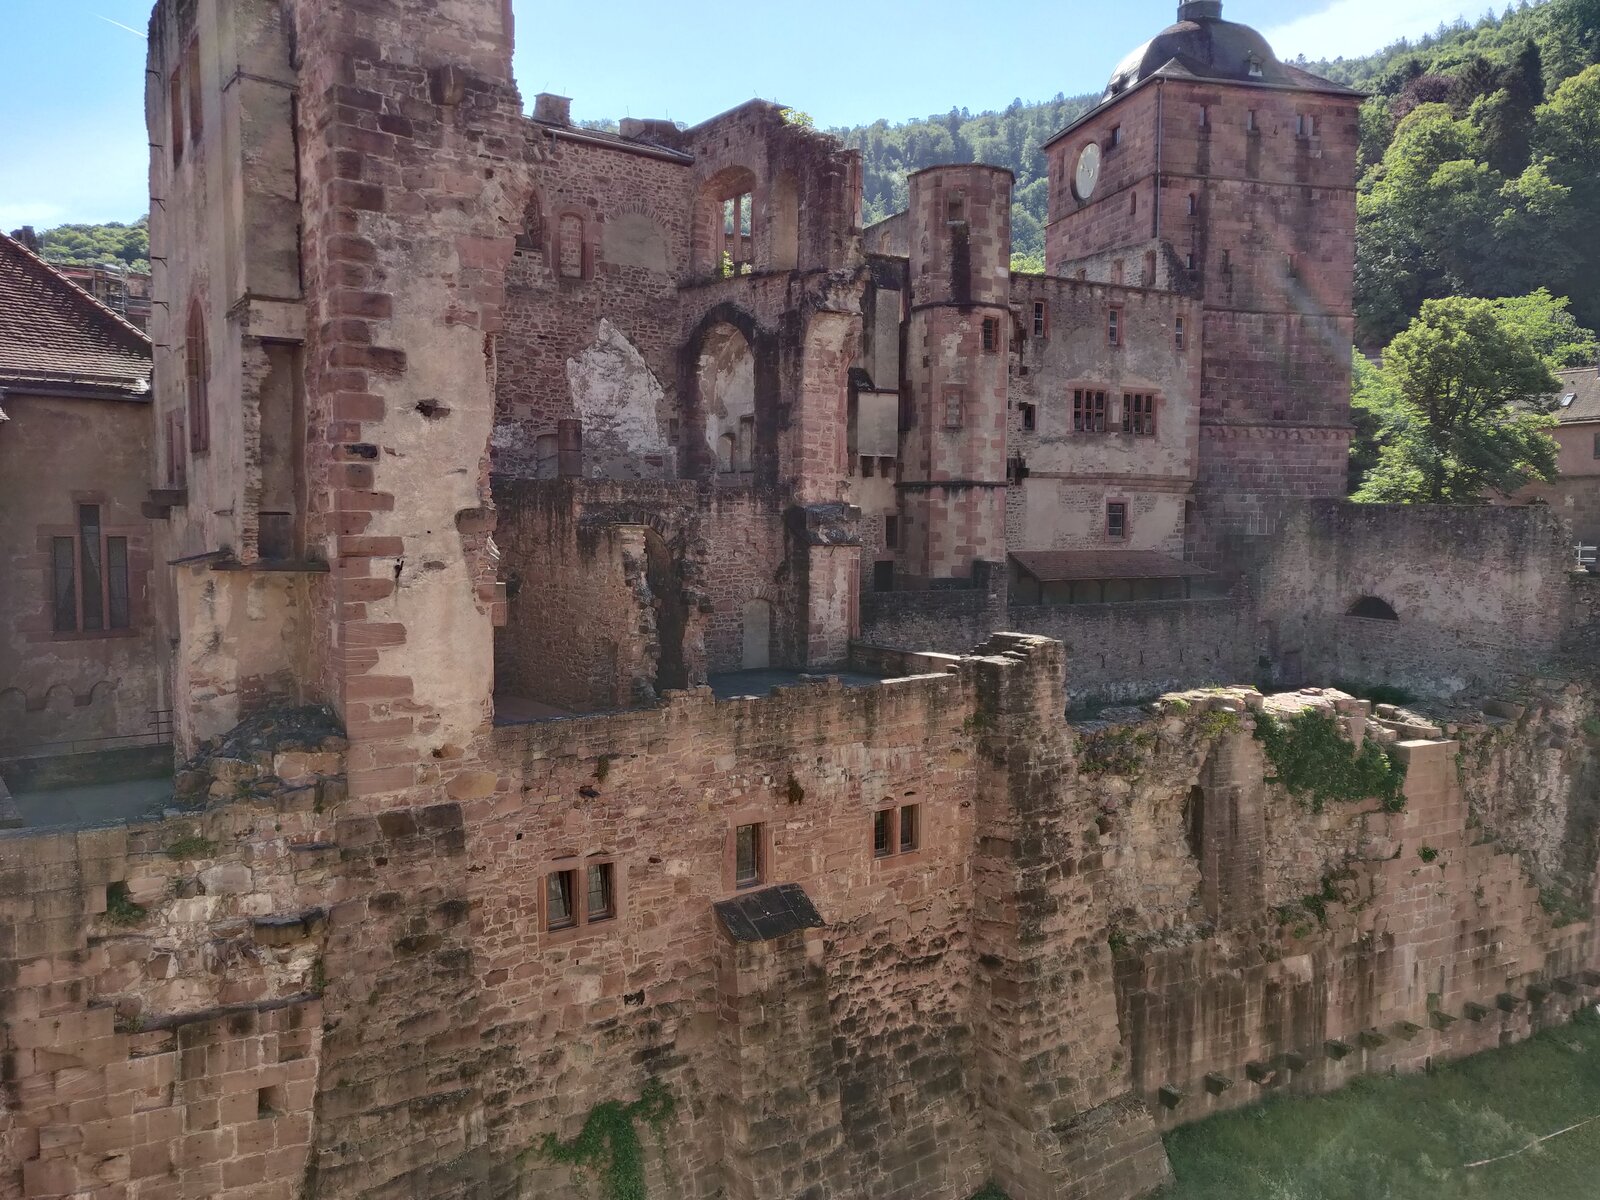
(1095, 930)
(1465, 623)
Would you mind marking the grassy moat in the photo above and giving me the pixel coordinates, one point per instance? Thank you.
(1411, 1137)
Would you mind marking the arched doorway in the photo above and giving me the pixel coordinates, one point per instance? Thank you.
(757, 636)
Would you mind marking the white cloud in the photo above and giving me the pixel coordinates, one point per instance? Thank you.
(1350, 28)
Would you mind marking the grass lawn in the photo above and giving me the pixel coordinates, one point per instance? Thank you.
(1408, 1138)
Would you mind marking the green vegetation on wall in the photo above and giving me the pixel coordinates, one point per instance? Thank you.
(608, 1145)
(1318, 765)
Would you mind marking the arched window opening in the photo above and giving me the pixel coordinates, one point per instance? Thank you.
(1373, 609)
(726, 380)
(197, 371)
(725, 224)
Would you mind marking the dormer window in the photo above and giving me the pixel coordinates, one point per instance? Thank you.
(1255, 67)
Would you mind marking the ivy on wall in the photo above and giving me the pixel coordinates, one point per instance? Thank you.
(608, 1144)
(1318, 765)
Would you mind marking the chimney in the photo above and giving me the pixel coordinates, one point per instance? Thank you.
(1200, 10)
(552, 109)
(29, 238)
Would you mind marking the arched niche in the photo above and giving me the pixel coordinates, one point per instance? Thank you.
(1372, 608)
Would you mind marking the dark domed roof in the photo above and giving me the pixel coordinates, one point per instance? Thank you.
(1206, 46)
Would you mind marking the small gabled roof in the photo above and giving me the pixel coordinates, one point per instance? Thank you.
(1578, 396)
(55, 336)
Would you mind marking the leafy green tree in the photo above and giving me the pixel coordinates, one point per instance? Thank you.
(1566, 143)
(1548, 325)
(98, 245)
(1458, 421)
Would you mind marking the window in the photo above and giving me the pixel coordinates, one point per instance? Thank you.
(896, 830)
(1373, 608)
(566, 907)
(674, 431)
(1088, 411)
(192, 66)
(1194, 203)
(602, 902)
(1305, 125)
(1114, 325)
(1139, 414)
(747, 864)
(955, 208)
(197, 371)
(725, 448)
(1178, 333)
(175, 108)
(1290, 267)
(1041, 318)
(1597, 445)
(1255, 67)
(1114, 139)
(1188, 261)
(991, 333)
(1133, 203)
(954, 404)
(1250, 120)
(891, 532)
(1148, 277)
(747, 443)
(1205, 116)
(1227, 261)
(1030, 418)
(177, 452)
(89, 578)
(1116, 519)
(866, 466)
(559, 909)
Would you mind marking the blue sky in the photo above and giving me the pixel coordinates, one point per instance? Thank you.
(72, 144)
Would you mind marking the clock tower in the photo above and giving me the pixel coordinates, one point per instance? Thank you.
(1211, 168)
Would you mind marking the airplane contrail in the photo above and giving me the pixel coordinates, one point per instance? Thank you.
(120, 25)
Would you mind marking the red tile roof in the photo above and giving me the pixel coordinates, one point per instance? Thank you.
(54, 334)
(1058, 566)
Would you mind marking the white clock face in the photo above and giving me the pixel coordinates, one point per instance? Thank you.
(1087, 173)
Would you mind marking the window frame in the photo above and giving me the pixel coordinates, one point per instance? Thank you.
(991, 335)
(954, 399)
(109, 548)
(1179, 333)
(1041, 318)
(761, 842)
(1119, 509)
(1114, 325)
(1139, 414)
(887, 842)
(1030, 416)
(1089, 407)
(580, 919)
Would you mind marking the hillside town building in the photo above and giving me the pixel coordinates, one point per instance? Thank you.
(577, 563)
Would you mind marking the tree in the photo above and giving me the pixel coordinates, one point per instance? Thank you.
(1459, 421)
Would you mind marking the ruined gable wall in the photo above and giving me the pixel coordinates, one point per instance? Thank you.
(635, 212)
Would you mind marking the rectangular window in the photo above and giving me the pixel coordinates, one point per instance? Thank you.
(602, 903)
(956, 208)
(1114, 325)
(559, 910)
(866, 466)
(64, 578)
(747, 855)
(117, 581)
(1030, 418)
(891, 532)
(1250, 120)
(1139, 414)
(1115, 138)
(1597, 445)
(1178, 333)
(191, 64)
(91, 600)
(1088, 411)
(1194, 203)
(910, 833)
(882, 833)
(1041, 318)
(1188, 262)
(1205, 116)
(175, 107)
(991, 333)
(954, 403)
(1227, 261)
(674, 431)
(1116, 519)
(1291, 267)
(1305, 125)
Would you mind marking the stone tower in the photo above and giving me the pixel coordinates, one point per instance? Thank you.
(1209, 166)
(953, 474)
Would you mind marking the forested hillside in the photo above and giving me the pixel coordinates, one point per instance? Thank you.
(98, 245)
